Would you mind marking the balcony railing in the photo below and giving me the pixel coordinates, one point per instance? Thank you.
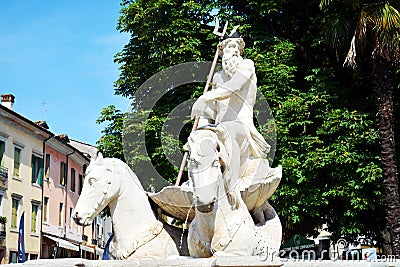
(3, 173)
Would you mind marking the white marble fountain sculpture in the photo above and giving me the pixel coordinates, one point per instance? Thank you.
(227, 111)
(137, 232)
(230, 180)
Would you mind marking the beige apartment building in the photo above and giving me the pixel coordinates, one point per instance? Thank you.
(21, 160)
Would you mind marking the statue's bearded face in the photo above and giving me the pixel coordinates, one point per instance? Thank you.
(231, 57)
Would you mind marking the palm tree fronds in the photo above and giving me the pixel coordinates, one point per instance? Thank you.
(324, 3)
(385, 20)
(383, 16)
(336, 31)
(361, 31)
(388, 47)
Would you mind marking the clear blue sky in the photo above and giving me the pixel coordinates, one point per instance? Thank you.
(60, 52)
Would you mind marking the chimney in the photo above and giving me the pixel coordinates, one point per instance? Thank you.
(63, 137)
(7, 100)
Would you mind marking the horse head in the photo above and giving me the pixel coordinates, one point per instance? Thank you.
(207, 163)
(98, 190)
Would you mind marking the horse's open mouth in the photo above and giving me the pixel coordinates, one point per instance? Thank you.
(205, 208)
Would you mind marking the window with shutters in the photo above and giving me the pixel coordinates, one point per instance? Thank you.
(70, 218)
(46, 209)
(80, 184)
(47, 166)
(63, 172)
(17, 160)
(13, 257)
(73, 180)
(60, 214)
(2, 152)
(14, 213)
(3, 170)
(37, 169)
(34, 214)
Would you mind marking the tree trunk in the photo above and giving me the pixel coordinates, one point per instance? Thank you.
(382, 78)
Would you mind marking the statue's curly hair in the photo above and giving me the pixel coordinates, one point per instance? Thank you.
(223, 43)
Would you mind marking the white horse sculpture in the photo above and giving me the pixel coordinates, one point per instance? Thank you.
(137, 232)
(222, 224)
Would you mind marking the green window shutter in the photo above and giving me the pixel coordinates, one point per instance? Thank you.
(2, 150)
(33, 219)
(17, 157)
(14, 213)
(41, 171)
(33, 169)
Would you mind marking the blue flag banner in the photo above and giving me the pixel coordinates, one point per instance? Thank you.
(106, 254)
(21, 241)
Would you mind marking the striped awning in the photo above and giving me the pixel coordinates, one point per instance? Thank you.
(86, 248)
(63, 243)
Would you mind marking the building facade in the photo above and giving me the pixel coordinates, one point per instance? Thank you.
(41, 176)
(64, 170)
(21, 154)
(93, 235)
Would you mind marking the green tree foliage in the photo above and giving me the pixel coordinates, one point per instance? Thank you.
(163, 33)
(327, 137)
(110, 143)
(328, 152)
(377, 39)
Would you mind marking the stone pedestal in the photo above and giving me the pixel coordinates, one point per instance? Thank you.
(248, 261)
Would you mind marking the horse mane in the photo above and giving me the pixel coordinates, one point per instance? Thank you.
(229, 184)
(122, 169)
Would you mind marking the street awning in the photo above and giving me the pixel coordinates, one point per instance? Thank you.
(63, 243)
(86, 248)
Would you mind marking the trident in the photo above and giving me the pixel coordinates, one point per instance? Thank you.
(210, 74)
